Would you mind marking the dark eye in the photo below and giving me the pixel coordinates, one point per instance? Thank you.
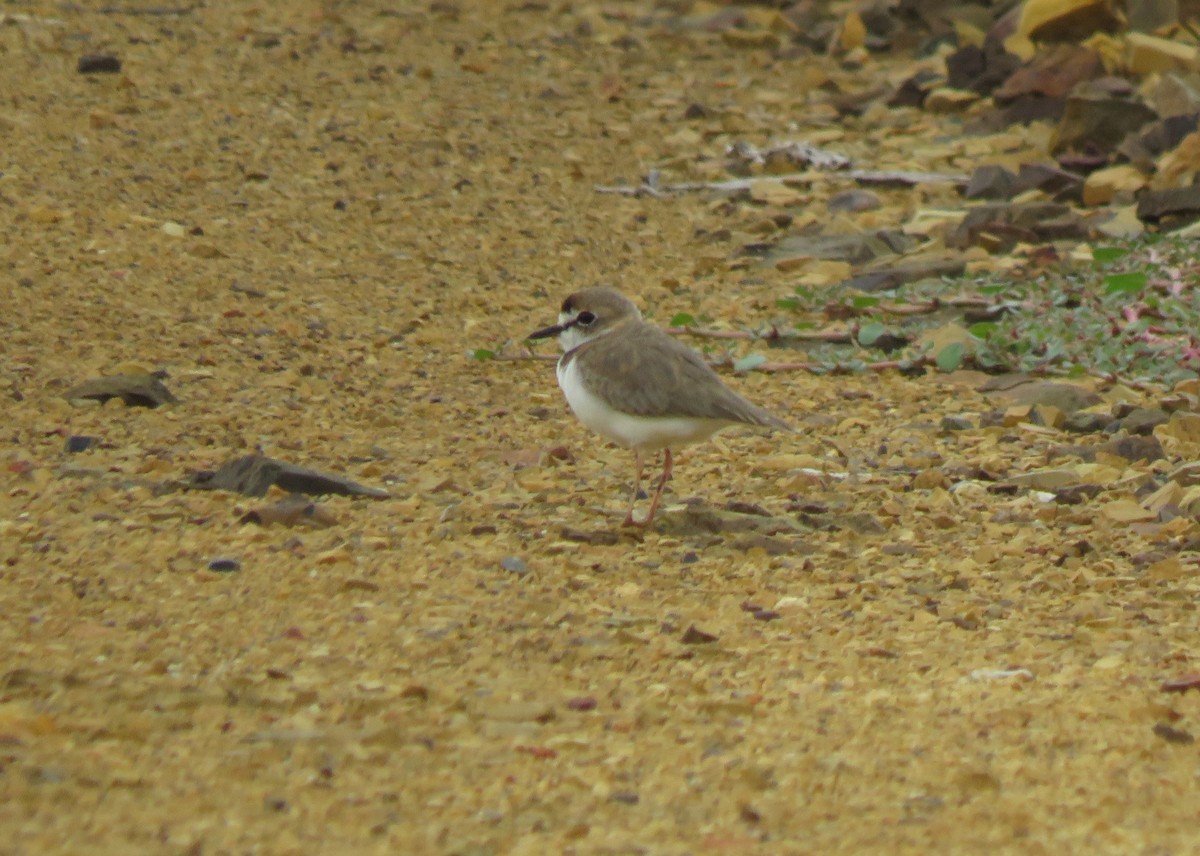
(585, 318)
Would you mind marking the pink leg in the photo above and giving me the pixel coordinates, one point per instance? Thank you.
(666, 474)
(637, 486)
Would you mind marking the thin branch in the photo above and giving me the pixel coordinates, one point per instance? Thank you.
(525, 357)
(151, 11)
(735, 185)
(820, 368)
(773, 335)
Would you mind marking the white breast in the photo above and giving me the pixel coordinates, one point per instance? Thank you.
(648, 433)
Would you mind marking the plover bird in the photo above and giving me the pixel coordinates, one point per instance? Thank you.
(629, 381)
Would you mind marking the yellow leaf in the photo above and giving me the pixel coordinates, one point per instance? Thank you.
(854, 32)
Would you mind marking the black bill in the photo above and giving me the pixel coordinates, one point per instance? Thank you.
(547, 332)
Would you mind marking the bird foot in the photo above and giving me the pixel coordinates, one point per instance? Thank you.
(638, 523)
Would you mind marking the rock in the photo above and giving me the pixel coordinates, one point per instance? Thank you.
(893, 276)
(1049, 415)
(144, 389)
(1077, 494)
(1085, 161)
(253, 475)
(1052, 74)
(1147, 16)
(1186, 475)
(1134, 448)
(1181, 203)
(517, 711)
(295, 509)
(902, 178)
(1105, 185)
(1066, 397)
(1179, 168)
(1087, 422)
(743, 158)
(751, 39)
(930, 479)
(1145, 54)
(956, 423)
(947, 100)
(1066, 20)
(856, 249)
(1177, 401)
(79, 443)
(1021, 414)
(1098, 116)
(98, 64)
(514, 565)
(1171, 734)
(1143, 420)
(998, 227)
(912, 92)
(772, 545)
(1144, 147)
(1020, 111)
(991, 181)
(1057, 183)
(980, 69)
(1127, 511)
(1051, 480)
(695, 636)
(862, 523)
(1176, 94)
(1121, 223)
(602, 537)
(854, 201)
(702, 519)
(933, 341)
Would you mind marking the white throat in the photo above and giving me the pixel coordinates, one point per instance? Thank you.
(572, 337)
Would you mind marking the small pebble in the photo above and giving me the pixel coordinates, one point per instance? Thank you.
(956, 423)
(224, 566)
(79, 443)
(515, 565)
(854, 200)
(99, 64)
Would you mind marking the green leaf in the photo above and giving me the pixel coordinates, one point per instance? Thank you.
(483, 354)
(683, 319)
(1124, 283)
(806, 325)
(992, 289)
(789, 303)
(950, 357)
(1107, 255)
(862, 301)
(868, 334)
(983, 329)
(749, 362)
